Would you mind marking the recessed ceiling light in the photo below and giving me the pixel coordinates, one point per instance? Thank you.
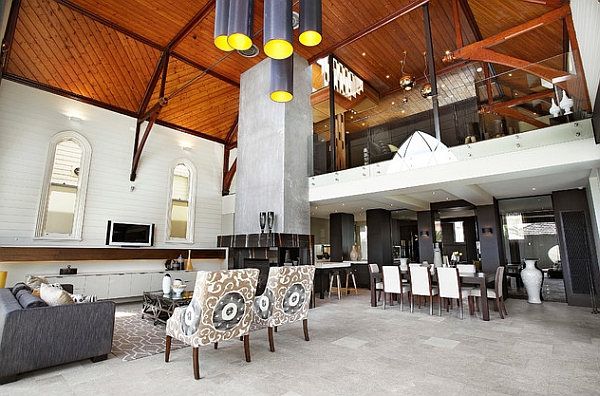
(364, 54)
(403, 111)
(433, 192)
(509, 74)
(387, 76)
(479, 69)
(533, 188)
(393, 103)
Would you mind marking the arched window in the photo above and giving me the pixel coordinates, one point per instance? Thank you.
(63, 194)
(180, 214)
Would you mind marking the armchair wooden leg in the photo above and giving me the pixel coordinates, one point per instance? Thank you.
(247, 347)
(216, 344)
(167, 349)
(271, 341)
(305, 326)
(196, 364)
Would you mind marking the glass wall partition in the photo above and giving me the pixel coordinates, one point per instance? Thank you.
(529, 231)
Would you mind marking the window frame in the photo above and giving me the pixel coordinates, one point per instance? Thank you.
(191, 223)
(82, 183)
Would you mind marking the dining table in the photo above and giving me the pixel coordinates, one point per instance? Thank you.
(479, 279)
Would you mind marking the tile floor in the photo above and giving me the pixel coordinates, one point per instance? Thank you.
(548, 349)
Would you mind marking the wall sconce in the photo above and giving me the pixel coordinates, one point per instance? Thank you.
(424, 233)
(487, 231)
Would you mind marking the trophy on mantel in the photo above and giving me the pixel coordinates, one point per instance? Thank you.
(262, 219)
(270, 219)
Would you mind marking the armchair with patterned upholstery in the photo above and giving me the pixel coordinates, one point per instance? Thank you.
(285, 300)
(221, 309)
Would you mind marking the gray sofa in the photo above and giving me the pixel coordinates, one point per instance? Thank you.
(33, 336)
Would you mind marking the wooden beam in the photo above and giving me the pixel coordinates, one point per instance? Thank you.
(457, 28)
(161, 67)
(480, 50)
(9, 36)
(581, 90)
(370, 29)
(549, 17)
(548, 3)
(139, 145)
(228, 178)
(510, 112)
(548, 93)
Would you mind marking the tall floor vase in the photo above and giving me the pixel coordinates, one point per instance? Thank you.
(532, 279)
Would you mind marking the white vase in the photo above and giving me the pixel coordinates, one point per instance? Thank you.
(532, 279)
(353, 254)
(437, 256)
(166, 284)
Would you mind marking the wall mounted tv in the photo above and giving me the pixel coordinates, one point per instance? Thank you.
(129, 234)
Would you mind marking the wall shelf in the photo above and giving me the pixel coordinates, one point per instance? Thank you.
(21, 253)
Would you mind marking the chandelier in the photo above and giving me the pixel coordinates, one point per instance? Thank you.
(407, 81)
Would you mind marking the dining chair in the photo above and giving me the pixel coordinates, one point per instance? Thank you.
(449, 288)
(496, 293)
(220, 309)
(286, 300)
(392, 284)
(374, 269)
(466, 269)
(420, 285)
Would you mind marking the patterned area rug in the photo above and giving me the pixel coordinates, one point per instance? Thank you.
(136, 338)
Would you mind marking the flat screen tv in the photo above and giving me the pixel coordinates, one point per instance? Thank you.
(129, 234)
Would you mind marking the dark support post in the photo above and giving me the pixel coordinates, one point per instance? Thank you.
(331, 114)
(432, 78)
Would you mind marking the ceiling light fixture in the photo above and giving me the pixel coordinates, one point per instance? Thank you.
(407, 81)
(311, 21)
(239, 28)
(282, 79)
(426, 90)
(221, 23)
(277, 29)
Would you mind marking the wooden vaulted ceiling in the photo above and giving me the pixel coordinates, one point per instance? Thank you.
(124, 55)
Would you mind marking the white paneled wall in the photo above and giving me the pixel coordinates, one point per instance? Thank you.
(30, 117)
(586, 18)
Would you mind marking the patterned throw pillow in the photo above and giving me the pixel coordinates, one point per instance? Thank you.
(80, 298)
(54, 296)
(35, 281)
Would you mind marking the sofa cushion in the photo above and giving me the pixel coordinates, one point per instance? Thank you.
(18, 287)
(28, 300)
(54, 295)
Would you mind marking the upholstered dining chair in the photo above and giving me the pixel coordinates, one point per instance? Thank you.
(420, 285)
(496, 294)
(449, 288)
(466, 268)
(374, 269)
(220, 309)
(392, 284)
(286, 299)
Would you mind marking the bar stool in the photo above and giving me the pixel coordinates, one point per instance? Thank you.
(335, 274)
(349, 273)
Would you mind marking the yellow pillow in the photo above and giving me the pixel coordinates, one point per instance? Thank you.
(393, 148)
(54, 296)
